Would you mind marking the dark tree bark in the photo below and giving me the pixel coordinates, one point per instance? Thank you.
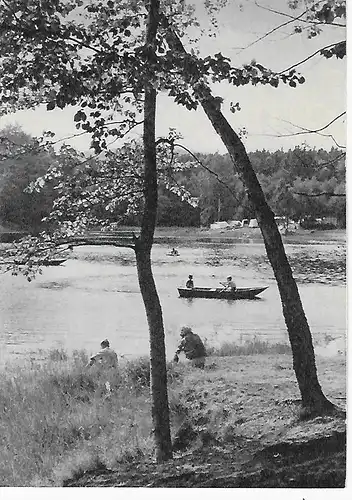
(297, 326)
(143, 247)
(313, 399)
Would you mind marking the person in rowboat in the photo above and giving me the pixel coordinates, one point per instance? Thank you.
(193, 347)
(189, 282)
(228, 284)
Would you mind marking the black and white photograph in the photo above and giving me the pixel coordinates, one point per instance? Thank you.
(173, 248)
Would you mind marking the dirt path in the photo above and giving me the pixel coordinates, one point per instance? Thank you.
(316, 464)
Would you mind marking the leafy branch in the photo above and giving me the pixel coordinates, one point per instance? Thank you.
(339, 49)
(310, 21)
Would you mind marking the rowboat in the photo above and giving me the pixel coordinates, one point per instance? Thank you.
(173, 253)
(220, 293)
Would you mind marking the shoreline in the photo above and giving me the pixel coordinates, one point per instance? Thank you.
(164, 235)
(303, 236)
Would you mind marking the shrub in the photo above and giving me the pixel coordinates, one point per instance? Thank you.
(138, 372)
(249, 348)
(80, 357)
(58, 355)
(58, 416)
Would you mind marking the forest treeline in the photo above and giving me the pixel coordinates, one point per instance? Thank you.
(293, 182)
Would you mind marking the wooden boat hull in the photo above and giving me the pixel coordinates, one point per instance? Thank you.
(219, 293)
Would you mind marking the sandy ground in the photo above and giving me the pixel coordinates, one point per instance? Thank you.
(243, 429)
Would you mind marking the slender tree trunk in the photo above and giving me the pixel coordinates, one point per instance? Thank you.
(296, 321)
(143, 247)
(158, 374)
(298, 329)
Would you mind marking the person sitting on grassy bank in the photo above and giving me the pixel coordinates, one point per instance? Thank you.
(193, 347)
(107, 357)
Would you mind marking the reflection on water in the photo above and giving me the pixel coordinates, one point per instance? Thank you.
(55, 284)
(83, 301)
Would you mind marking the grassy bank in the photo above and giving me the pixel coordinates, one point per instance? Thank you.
(59, 419)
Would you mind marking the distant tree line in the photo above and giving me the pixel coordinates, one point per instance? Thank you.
(293, 181)
(21, 162)
(300, 184)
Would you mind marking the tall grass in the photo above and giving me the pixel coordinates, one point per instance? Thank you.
(56, 417)
(249, 348)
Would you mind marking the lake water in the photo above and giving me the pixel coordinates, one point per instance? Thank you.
(95, 295)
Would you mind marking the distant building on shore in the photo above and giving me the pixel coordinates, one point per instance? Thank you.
(219, 225)
(235, 223)
(253, 223)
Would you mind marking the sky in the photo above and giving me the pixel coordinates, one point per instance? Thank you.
(267, 113)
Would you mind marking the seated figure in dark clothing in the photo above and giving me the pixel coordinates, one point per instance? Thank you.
(193, 347)
(189, 282)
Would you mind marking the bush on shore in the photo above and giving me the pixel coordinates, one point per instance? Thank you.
(57, 417)
(249, 348)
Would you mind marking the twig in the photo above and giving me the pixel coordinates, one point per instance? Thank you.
(309, 131)
(272, 30)
(324, 193)
(207, 169)
(310, 57)
(318, 129)
(320, 165)
(309, 21)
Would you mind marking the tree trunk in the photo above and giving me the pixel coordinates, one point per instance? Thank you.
(298, 329)
(143, 247)
(297, 326)
(158, 373)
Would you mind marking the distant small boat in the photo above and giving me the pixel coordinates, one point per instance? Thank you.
(173, 254)
(220, 293)
(53, 262)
